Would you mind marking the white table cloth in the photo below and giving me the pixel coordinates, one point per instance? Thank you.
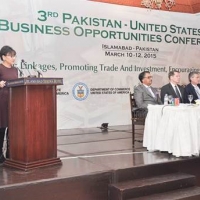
(175, 129)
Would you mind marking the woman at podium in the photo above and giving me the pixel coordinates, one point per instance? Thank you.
(7, 72)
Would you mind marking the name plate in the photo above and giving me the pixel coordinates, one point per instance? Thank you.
(34, 81)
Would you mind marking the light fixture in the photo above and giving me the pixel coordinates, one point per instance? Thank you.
(158, 3)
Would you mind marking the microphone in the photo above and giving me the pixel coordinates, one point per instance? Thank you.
(38, 70)
(24, 63)
(21, 73)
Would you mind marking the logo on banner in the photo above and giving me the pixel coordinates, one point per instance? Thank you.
(80, 91)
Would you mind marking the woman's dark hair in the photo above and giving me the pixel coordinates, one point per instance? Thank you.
(6, 50)
(142, 75)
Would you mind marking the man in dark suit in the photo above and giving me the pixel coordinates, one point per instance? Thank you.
(144, 94)
(193, 88)
(172, 88)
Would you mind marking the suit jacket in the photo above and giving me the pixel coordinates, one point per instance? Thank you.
(143, 97)
(189, 89)
(168, 89)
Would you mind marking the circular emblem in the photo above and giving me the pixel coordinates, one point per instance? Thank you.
(80, 91)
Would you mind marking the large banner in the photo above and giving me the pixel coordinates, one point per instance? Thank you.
(99, 49)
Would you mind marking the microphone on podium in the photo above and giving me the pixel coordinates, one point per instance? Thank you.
(24, 63)
(38, 70)
(21, 73)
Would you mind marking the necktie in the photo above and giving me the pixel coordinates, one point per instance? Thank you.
(178, 94)
(151, 92)
(197, 90)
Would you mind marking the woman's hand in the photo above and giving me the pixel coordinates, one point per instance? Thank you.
(2, 84)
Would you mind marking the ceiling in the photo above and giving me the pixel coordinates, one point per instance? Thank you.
(186, 6)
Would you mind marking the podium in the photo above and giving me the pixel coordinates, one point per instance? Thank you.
(32, 123)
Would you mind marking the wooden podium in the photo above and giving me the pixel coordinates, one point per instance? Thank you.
(33, 122)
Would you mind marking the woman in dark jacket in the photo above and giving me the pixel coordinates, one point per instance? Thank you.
(7, 72)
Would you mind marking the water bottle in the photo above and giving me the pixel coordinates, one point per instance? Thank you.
(166, 99)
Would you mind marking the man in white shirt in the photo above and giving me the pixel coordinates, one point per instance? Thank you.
(193, 88)
(144, 94)
(172, 88)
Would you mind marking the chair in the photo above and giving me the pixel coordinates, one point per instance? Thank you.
(138, 116)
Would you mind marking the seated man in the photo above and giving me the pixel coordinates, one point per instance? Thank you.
(145, 94)
(193, 87)
(172, 88)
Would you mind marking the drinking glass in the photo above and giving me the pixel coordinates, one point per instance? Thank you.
(170, 99)
(190, 98)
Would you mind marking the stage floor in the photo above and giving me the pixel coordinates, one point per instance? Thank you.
(94, 141)
(86, 152)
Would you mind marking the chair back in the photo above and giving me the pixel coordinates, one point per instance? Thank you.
(132, 101)
(138, 115)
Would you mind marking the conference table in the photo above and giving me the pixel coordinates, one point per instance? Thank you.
(173, 129)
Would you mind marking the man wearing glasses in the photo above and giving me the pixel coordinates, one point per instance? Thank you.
(145, 94)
